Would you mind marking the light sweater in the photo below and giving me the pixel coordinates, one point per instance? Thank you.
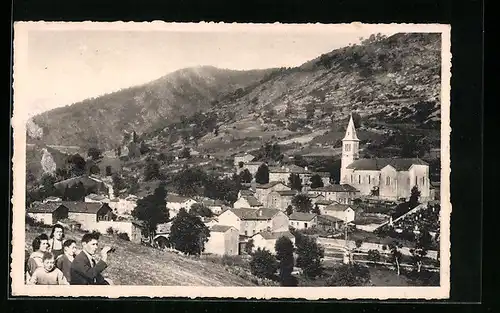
(42, 277)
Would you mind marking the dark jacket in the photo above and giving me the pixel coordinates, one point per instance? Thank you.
(64, 264)
(82, 272)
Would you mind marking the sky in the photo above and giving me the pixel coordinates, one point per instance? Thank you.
(64, 66)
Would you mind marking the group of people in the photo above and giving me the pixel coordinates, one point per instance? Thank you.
(55, 261)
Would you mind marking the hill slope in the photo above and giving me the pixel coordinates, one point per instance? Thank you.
(134, 264)
(103, 119)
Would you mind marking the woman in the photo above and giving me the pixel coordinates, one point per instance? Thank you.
(40, 246)
(56, 240)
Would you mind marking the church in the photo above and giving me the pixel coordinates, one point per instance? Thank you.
(385, 178)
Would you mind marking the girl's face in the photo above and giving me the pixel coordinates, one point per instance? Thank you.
(58, 233)
(44, 245)
(48, 264)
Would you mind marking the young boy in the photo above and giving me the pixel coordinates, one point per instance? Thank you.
(48, 274)
(63, 262)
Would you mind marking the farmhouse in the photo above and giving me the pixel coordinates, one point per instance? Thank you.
(175, 203)
(267, 240)
(47, 213)
(299, 220)
(262, 191)
(343, 212)
(247, 202)
(251, 221)
(88, 214)
(223, 240)
(385, 178)
(339, 193)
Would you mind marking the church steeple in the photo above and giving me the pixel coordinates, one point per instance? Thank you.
(350, 149)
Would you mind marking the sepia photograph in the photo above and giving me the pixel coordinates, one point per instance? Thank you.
(298, 161)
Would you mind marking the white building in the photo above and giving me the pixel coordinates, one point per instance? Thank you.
(343, 212)
(223, 240)
(300, 220)
(247, 202)
(175, 203)
(251, 221)
(267, 240)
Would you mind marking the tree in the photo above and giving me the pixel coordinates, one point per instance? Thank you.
(263, 264)
(289, 210)
(133, 187)
(310, 255)
(77, 165)
(424, 242)
(241, 164)
(302, 203)
(47, 182)
(118, 184)
(245, 176)
(316, 210)
(373, 255)
(62, 173)
(295, 182)
(201, 210)
(358, 243)
(396, 255)
(356, 118)
(190, 181)
(349, 275)
(284, 254)
(152, 210)
(76, 192)
(316, 181)
(414, 197)
(94, 169)
(188, 233)
(249, 246)
(299, 160)
(151, 170)
(94, 153)
(185, 153)
(262, 175)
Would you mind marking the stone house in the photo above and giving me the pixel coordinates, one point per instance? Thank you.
(300, 220)
(343, 212)
(88, 214)
(262, 191)
(47, 213)
(223, 240)
(267, 240)
(343, 193)
(251, 221)
(247, 202)
(281, 199)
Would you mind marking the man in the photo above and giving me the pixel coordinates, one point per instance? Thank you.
(84, 269)
(63, 262)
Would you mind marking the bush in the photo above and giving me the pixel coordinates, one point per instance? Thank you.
(123, 236)
(349, 275)
(263, 264)
(110, 230)
(373, 255)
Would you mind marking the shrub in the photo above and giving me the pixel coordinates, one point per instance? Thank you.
(110, 230)
(373, 255)
(123, 236)
(264, 264)
(349, 275)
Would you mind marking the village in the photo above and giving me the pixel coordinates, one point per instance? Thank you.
(293, 199)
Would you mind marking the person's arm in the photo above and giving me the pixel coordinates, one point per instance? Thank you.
(61, 280)
(89, 272)
(33, 279)
(32, 266)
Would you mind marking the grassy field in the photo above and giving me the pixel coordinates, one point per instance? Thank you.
(135, 264)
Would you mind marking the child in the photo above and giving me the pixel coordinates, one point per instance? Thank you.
(48, 274)
(63, 262)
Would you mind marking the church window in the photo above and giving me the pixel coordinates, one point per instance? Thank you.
(423, 181)
(416, 180)
(359, 179)
(369, 179)
(347, 147)
(352, 180)
(387, 180)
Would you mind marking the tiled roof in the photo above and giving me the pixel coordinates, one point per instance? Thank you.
(289, 169)
(47, 207)
(252, 201)
(275, 235)
(255, 214)
(269, 185)
(176, 199)
(336, 188)
(83, 207)
(212, 202)
(324, 202)
(220, 228)
(338, 207)
(246, 192)
(377, 164)
(300, 216)
(285, 193)
(328, 218)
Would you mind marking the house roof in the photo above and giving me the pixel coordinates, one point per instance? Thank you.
(300, 216)
(254, 163)
(83, 207)
(95, 197)
(336, 188)
(252, 201)
(321, 174)
(338, 207)
(285, 193)
(325, 202)
(254, 214)
(275, 235)
(328, 218)
(246, 192)
(288, 169)
(377, 164)
(46, 207)
(84, 179)
(212, 202)
(176, 199)
(269, 185)
(220, 228)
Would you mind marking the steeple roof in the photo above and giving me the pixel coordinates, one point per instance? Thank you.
(350, 133)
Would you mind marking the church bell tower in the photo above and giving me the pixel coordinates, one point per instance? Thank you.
(350, 150)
